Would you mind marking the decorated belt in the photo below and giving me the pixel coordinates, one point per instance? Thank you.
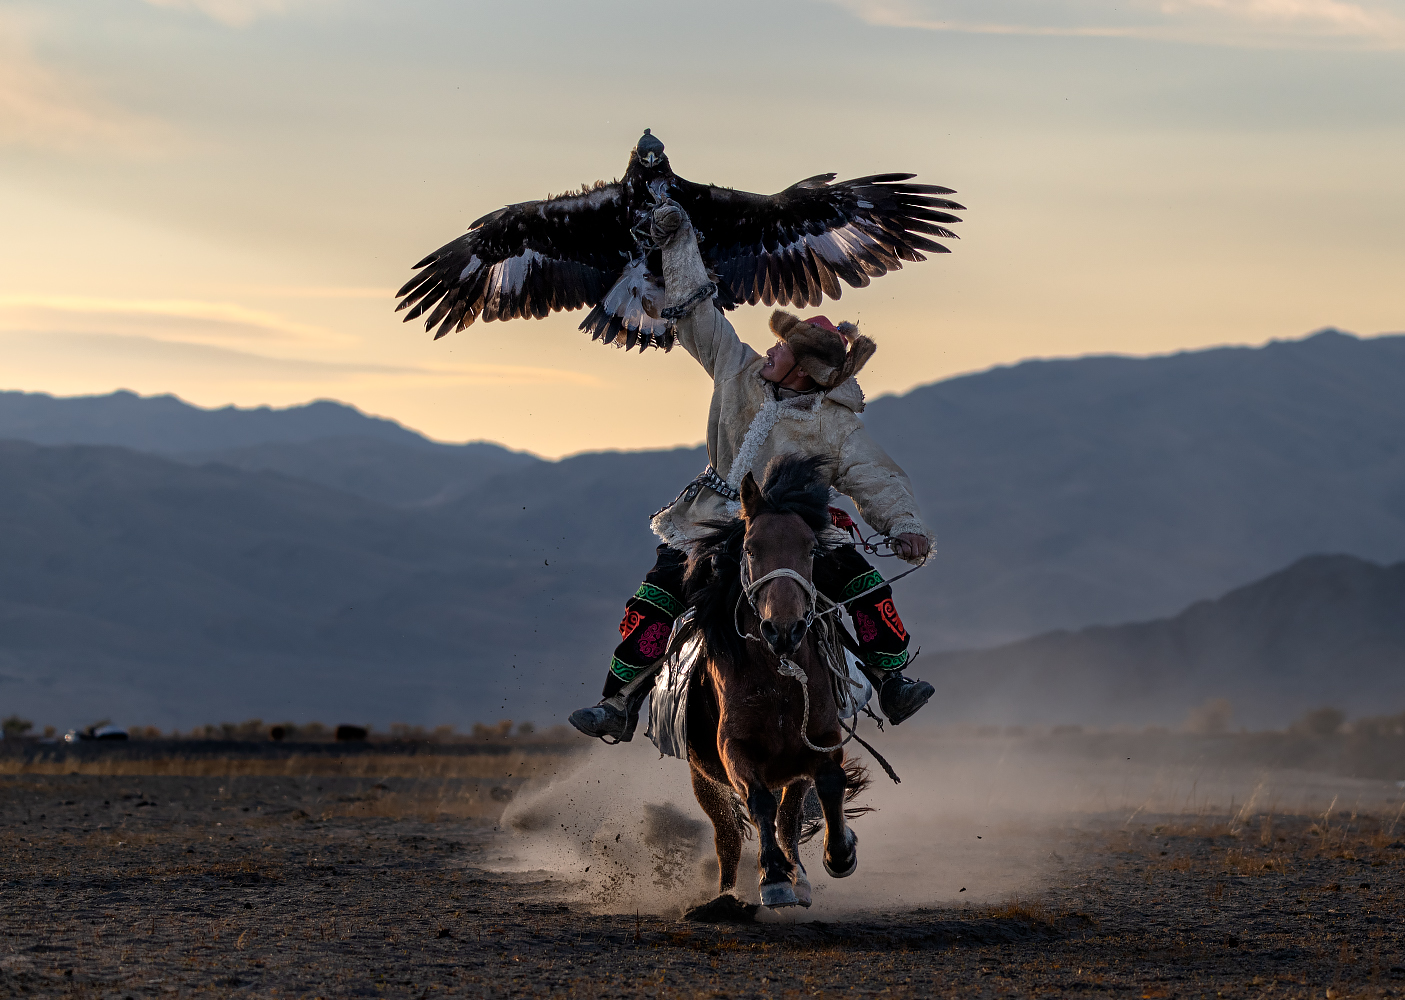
(708, 479)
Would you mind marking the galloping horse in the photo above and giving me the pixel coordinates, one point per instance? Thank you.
(751, 587)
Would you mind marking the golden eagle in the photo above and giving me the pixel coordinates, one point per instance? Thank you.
(591, 248)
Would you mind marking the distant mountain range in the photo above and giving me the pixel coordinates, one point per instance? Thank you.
(205, 561)
(1326, 631)
(323, 442)
(140, 588)
(167, 425)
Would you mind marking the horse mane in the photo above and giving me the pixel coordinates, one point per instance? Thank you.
(712, 584)
(795, 485)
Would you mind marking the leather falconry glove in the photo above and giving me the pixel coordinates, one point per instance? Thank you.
(668, 219)
(686, 280)
(668, 228)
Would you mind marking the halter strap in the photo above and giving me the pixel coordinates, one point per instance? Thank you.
(813, 596)
(752, 587)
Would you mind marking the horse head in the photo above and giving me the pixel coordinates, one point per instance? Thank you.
(777, 565)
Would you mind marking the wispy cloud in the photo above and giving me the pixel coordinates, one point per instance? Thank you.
(1377, 24)
(237, 13)
(319, 292)
(225, 340)
(126, 358)
(181, 320)
(44, 108)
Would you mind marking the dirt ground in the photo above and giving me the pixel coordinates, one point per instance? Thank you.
(388, 881)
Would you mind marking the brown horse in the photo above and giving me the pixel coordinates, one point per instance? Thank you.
(744, 717)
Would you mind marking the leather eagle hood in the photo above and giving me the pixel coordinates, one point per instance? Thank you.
(821, 352)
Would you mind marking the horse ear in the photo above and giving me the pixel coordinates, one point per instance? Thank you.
(752, 502)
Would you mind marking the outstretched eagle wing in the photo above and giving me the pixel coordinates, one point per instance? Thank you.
(528, 259)
(793, 247)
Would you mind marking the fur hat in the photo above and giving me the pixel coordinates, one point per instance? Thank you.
(820, 349)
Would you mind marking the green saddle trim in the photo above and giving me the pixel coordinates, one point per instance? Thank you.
(623, 670)
(660, 599)
(859, 584)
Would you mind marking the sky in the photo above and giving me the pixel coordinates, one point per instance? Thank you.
(217, 198)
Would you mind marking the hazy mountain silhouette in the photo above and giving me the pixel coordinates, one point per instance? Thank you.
(142, 588)
(323, 442)
(1068, 493)
(1064, 494)
(1328, 630)
(375, 468)
(168, 424)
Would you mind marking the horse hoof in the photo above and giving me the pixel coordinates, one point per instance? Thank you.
(777, 894)
(851, 841)
(803, 896)
(725, 909)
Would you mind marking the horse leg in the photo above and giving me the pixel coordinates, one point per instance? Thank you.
(841, 856)
(716, 801)
(775, 867)
(789, 819)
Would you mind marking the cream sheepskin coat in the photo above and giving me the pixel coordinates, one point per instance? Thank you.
(747, 426)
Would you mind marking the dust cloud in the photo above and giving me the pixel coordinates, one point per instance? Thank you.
(975, 820)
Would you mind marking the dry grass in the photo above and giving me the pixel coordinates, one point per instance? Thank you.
(1210, 827)
(1033, 910)
(1244, 861)
(329, 886)
(485, 766)
(430, 802)
(1246, 846)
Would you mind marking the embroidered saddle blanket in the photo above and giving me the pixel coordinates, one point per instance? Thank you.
(668, 702)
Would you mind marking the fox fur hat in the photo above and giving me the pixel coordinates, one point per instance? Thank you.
(829, 354)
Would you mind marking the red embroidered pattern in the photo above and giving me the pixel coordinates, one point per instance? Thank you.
(654, 640)
(890, 617)
(868, 629)
(841, 519)
(630, 622)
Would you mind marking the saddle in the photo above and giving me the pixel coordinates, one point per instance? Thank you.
(668, 701)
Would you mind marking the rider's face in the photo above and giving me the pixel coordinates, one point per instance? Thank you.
(780, 361)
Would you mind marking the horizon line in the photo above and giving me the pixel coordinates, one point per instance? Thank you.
(1036, 359)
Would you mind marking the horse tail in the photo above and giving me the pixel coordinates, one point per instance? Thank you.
(743, 817)
(856, 781)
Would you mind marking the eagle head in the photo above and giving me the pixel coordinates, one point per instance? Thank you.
(648, 151)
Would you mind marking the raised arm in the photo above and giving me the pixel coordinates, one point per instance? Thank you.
(702, 330)
(883, 494)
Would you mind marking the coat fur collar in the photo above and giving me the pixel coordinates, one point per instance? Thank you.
(806, 407)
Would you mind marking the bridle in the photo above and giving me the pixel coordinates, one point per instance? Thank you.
(751, 587)
(785, 666)
(788, 668)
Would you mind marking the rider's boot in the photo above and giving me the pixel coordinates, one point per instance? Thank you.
(883, 642)
(615, 718)
(611, 720)
(644, 635)
(901, 697)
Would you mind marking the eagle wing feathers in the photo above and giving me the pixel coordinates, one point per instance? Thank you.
(523, 260)
(794, 247)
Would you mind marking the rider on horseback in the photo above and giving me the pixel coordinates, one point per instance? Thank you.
(799, 398)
